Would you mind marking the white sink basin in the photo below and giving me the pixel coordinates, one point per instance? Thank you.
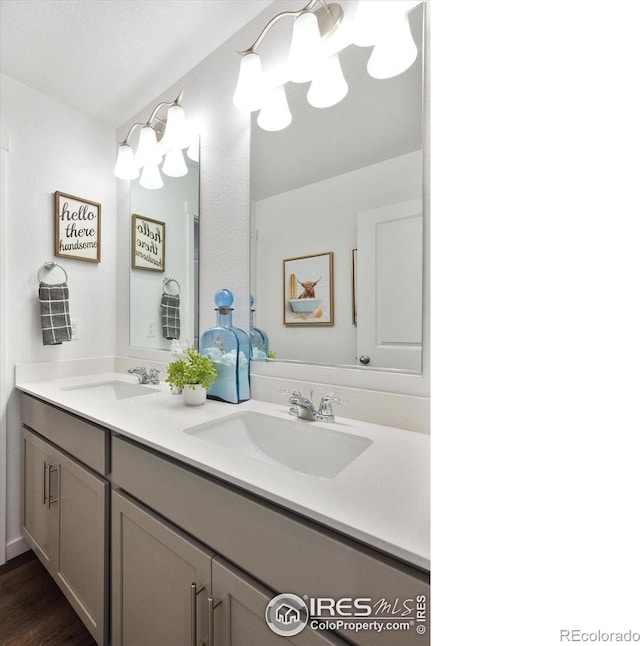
(307, 447)
(114, 389)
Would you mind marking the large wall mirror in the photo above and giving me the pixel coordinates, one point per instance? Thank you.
(164, 244)
(346, 181)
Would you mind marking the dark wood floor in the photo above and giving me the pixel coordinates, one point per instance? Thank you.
(33, 611)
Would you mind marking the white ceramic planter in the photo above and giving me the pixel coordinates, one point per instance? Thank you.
(195, 397)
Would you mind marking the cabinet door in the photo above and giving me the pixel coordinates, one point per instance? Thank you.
(239, 618)
(160, 580)
(39, 505)
(82, 560)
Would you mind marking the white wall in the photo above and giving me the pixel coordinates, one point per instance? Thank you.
(318, 218)
(52, 148)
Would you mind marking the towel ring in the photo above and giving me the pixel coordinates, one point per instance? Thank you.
(48, 266)
(165, 282)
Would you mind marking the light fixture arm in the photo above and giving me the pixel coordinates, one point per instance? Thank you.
(334, 21)
(154, 115)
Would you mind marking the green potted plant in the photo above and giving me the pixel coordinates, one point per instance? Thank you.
(193, 375)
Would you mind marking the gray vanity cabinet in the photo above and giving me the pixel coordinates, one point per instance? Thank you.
(39, 514)
(240, 615)
(161, 580)
(164, 584)
(282, 551)
(64, 520)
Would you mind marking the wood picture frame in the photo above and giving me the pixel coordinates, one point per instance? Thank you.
(77, 227)
(307, 283)
(147, 243)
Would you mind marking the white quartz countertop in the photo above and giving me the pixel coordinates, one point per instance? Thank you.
(380, 499)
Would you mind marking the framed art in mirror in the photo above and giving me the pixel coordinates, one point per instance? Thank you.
(308, 290)
(147, 243)
(77, 227)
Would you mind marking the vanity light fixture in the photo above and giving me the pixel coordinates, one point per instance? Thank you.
(307, 58)
(153, 151)
(383, 24)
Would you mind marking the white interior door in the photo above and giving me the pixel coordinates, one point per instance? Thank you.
(389, 286)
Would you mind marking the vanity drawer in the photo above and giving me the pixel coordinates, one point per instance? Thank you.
(85, 441)
(284, 551)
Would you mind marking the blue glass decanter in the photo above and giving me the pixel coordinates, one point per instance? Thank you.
(229, 349)
(259, 339)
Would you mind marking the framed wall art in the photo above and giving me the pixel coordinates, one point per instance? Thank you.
(77, 227)
(147, 243)
(308, 290)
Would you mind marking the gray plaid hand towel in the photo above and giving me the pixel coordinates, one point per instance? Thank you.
(170, 314)
(54, 313)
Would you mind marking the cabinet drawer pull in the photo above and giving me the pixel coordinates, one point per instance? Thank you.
(213, 603)
(195, 591)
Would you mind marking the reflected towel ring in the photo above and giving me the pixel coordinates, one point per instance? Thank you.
(49, 266)
(166, 281)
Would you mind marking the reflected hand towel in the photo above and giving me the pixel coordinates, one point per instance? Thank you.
(170, 306)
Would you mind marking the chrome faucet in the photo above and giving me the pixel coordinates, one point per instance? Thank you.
(143, 378)
(304, 408)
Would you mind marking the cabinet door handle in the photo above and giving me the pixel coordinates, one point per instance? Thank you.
(195, 591)
(49, 468)
(213, 603)
(45, 479)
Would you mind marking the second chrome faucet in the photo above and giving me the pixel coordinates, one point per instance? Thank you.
(153, 377)
(304, 408)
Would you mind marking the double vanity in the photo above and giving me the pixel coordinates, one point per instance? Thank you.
(169, 524)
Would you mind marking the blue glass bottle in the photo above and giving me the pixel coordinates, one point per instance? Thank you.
(229, 349)
(259, 339)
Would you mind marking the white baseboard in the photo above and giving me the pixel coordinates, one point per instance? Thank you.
(16, 547)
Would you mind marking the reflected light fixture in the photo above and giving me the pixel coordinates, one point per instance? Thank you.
(383, 24)
(328, 86)
(175, 136)
(394, 50)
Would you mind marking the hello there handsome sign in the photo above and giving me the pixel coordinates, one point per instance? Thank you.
(77, 232)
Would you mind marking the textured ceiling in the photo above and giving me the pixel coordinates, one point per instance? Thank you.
(110, 58)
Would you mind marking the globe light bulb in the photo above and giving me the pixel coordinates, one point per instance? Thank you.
(329, 86)
(249, 94)
(148, 152)
(176, 134)
(150, 177)
(306, 51)
(174, 164)
(125, 165)
(395, 51)
(275, 114)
